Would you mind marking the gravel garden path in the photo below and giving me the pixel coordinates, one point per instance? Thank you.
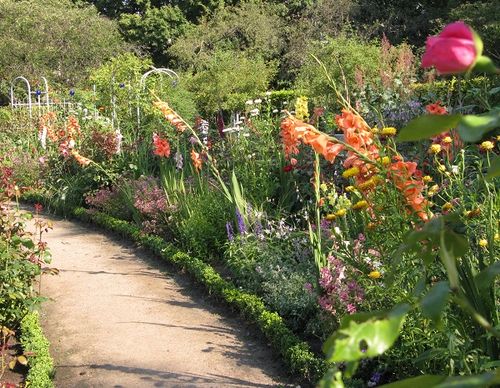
(118, 318)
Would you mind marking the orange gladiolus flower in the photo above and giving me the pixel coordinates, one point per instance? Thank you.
(171, 116)
(293, 131)
(162, 147)
(196, 159)
(408, 179)
(82, 160)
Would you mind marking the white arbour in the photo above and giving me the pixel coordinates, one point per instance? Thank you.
(27, 102)
(160, 71)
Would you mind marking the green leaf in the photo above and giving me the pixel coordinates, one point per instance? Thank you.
(434, 302)
(484, 64)
(447, 252)
(374, 335)
(473, 127)
(427, 381)
(486, 276)
(433, 381)
(483, 380)
(494, 170)
(426, 126)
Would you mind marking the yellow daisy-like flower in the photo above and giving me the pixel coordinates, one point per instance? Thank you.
(349, 189)
(375, 275)
(447, 207)
(447, 140)
(442, 168)
(433, 190)
(427, 179)
(353, 171)
(483, 243)
(389, 131)
(330, 217)
(487, 145)
(370, 183)
(386, 160)
(435, 149)
(360, 205)
(341, 212)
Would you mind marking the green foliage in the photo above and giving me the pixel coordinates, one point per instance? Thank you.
(251, 27)
(342, 56)
(17, 271)
(154, 30)
(55, 39)
(229, 78)
(203, 231)
(40, 363)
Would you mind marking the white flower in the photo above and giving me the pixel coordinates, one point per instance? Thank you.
(257, 101)
(249, 102)
(268, 93)
(454, 169)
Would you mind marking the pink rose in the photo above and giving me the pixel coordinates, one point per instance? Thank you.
(451, 52)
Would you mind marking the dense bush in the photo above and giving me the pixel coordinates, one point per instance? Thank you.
(64, 40)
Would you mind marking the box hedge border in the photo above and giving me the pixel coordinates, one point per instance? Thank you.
(296, 354)
(36, 345)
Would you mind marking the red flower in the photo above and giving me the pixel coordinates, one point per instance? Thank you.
(38, 208)
(288, 168)
(162, 146)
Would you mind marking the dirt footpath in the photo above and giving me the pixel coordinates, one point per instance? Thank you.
(118, 318)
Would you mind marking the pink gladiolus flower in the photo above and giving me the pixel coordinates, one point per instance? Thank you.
(452, 51)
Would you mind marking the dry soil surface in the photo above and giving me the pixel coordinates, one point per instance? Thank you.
(118, 318)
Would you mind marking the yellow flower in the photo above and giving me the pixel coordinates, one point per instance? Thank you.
(371, 225)
(473, 213)
(323, 187)
(487, 145)
(435, 149)
(483, 243)
(441, 168)
(447, 207)
(447, 140)
(375, 130)
(350, 188)
(433, 190)
(353, 171)
(341, 212)
(301, 108)
(375, 275)
(427, 179)
(360, 205)
(330, 217)
(498, 138)
(389, 131)
(386, 160)
(496, 237)
(372, 182)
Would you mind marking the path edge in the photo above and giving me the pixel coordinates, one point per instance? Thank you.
(36, 345)
(296, 354)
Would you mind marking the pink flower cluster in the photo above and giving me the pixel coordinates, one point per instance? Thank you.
(149, 198)
(340, 294)
(102, 199)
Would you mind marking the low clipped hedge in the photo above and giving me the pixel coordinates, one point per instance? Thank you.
(36, 345)
(296, 353)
